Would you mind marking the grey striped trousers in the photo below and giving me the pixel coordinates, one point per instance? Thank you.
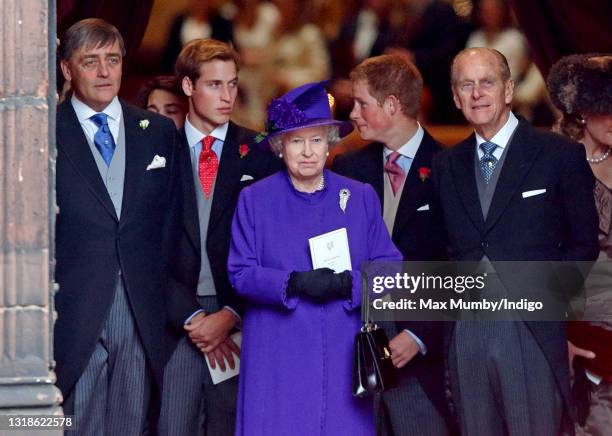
(191, 404)
(112, 395)
(501, 381)
(406, 410)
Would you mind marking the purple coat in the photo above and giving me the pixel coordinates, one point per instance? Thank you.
(296, 362)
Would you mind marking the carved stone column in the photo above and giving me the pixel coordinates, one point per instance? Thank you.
(27, 207)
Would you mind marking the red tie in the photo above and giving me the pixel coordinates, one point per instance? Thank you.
(207, 165)
(395, 172)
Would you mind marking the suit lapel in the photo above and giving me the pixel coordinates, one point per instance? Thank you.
(520, 158)
(73, 143)
(414, 187)
(462, 169)
(190, 203)
(228, 176)
(136, 159)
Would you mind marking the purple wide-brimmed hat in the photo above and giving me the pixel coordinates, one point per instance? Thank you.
(305, 106)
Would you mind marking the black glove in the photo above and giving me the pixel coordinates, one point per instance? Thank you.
(321, 284)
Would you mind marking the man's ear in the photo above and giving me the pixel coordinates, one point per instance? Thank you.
(66, 70)
(392, 104)
(187, 86)
(509, 91)
(456, 99)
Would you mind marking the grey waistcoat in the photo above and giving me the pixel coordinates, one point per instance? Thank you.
(113, 176)
(206, 285)
(487, 190)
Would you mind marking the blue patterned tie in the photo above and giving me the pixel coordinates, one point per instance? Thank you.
(488, 161)
(103, 140)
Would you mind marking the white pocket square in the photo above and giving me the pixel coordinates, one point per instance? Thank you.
(246, 177)
(157, 162)
(422, 208)
(527, 194)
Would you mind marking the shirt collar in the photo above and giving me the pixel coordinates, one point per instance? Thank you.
(194, 135)
(502, 137)
(84, 112)
(410, 148)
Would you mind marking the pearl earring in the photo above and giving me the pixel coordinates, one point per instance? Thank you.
(280, 155)
(327, 154)
(582, 120)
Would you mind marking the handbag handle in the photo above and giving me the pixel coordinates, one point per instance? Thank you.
(365, 300)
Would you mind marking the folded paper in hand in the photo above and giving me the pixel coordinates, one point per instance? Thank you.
(219, 376)
(331, 250)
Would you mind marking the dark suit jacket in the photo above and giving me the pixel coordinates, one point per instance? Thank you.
(232, 167)
(418, 236)
(92, 245)
(558, 225)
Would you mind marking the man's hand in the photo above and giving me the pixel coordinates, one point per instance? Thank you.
(403, 349)
(196, 319)
(224, 350)
(209, 331)
(574, 351)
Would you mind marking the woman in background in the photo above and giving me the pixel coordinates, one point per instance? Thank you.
(163, 95)
(497, 31)
(299, 54)
(581, 88)
(254, 31)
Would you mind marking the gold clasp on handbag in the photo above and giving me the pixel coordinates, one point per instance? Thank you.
(387, 352)
(369, 327)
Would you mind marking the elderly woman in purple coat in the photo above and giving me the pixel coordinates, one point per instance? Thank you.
(300, 320)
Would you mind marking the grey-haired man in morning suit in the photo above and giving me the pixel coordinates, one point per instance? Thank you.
(116, 176)
(510, 193)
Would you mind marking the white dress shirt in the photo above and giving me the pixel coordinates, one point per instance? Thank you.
(195, 137)
(407, 151)
(194, 140)
(501, 138)
(84, 114)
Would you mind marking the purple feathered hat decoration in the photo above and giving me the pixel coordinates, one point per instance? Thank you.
(304, 106)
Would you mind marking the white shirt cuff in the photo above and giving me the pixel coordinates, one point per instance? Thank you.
(422, 347)
(188, 320)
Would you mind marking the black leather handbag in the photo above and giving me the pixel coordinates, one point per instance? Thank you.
(373, 370)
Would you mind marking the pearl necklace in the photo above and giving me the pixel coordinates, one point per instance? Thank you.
(600, 159)
(321, 184)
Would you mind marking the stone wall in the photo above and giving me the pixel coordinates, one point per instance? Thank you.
(27, 206)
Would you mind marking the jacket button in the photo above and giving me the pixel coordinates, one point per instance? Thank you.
(484, 245)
